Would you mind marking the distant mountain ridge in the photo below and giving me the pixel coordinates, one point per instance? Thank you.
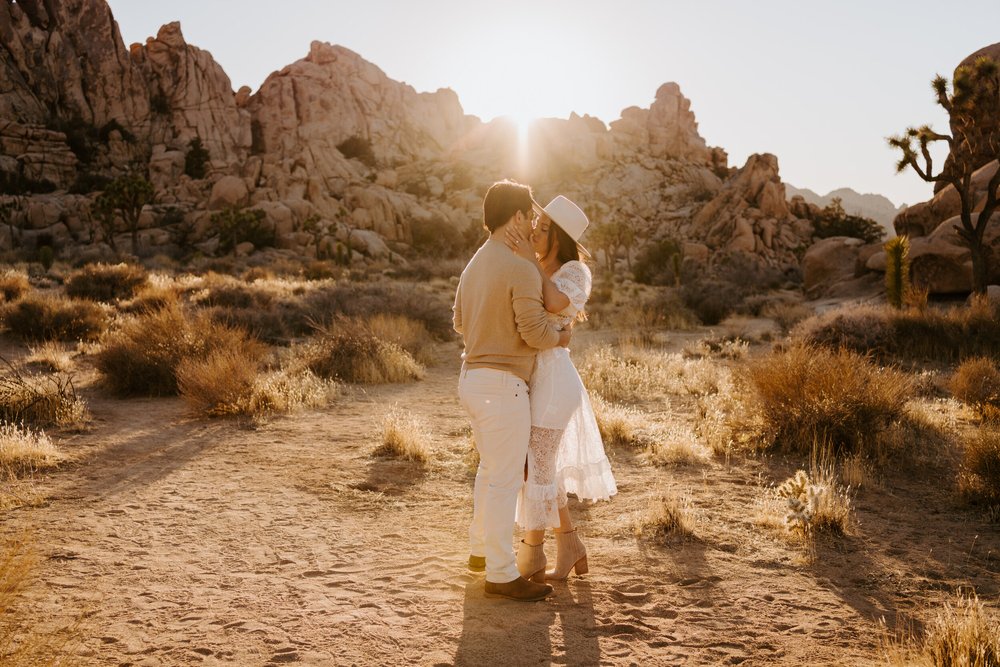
(876, 207)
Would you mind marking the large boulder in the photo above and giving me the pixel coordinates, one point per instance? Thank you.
(828, 262)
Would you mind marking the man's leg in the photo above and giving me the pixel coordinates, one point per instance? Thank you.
(498, 406)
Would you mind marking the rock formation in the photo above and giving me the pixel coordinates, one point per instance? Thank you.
(871, 206)
(336, 155)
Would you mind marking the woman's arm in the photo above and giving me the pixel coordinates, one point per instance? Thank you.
(554, 300)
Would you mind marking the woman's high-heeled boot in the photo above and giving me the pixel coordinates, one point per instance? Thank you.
(571, 554)
(531, 561)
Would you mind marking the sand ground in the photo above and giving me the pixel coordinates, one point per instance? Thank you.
(178, 540)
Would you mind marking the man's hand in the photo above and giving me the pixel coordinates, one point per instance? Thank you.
(564, 336)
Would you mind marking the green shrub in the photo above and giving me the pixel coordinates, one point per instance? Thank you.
(106, 282)
(659, 263)
(196, 159)
(238, 225)
(897, 270)
(357, 148)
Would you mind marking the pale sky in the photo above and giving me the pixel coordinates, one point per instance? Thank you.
(818, 85)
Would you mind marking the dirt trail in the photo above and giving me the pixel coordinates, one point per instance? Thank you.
(187, 541)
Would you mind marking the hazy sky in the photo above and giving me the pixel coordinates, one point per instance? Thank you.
(819, 85)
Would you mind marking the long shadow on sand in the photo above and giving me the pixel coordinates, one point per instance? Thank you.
(504, 632)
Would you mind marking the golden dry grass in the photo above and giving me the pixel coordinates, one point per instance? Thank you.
(675, 444)
(631, 374)
(49, 317)
(106, 282)
(39, 401)
(142, 354)
(980, 476)
(349, 353)
(407, 333)
(404, 436)
(619, 425)
(962, 634)
(805, 394)
(24, 450)
(976, 382)
(51, 356)
(13, 285)
(668, 516)
(786, 314)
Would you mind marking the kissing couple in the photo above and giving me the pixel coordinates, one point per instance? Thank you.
(532, 422)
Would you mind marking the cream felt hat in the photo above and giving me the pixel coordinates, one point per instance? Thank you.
(568, 216)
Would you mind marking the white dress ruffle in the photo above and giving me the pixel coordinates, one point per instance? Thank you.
(566, 453)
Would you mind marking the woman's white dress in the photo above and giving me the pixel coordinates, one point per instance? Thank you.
(566, 453)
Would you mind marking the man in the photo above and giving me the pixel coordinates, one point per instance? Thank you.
(499, 312)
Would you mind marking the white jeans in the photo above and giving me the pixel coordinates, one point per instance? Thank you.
(500, 412)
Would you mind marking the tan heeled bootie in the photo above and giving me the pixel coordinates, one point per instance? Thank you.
(531, 561)
(570, 555)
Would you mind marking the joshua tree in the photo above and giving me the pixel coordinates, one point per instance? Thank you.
(9, 208)
(975, 96)
(611, 237)
(125, 196)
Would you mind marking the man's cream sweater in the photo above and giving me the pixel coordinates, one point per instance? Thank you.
(500, 313)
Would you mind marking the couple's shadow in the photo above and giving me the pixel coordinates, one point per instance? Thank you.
(505, 632)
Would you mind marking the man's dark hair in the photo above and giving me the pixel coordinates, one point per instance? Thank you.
(503, 200)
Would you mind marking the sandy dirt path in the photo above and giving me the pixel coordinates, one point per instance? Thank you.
(177, 540)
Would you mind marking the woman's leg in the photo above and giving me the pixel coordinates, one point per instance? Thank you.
(541, 497)
(565, 522)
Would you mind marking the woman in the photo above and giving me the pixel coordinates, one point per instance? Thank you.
(565, 454)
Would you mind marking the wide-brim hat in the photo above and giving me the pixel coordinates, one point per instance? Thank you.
(568, 216)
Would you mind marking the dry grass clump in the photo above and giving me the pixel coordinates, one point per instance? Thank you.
(786, 314)
(24, 450)
(50, 317)
(39, 401)
(921, 334)
(363, 300)
(977, 383)
(411, 335)
(152, 297)
(349, 353)
(106, 282)
(722, 348)
(632, 374)
(806, 394)
(980, 478)
(404, 436)
(675, 445)
(141, 356)
(13, 285)
(51, 356)
(232, 382)
(619, 425)
(962, 634)
(667, 516)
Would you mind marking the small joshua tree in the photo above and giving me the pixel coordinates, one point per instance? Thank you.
(897, 270)
(125, 196)
(976, 95)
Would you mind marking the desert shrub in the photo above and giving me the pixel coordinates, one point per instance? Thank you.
(48, 317)
(141, 356)
(151, 298)
(238, 225)
(424, 269)
(196, 159)
(348, 353)
(25, 450)
(711, 300)
(962, 634)
(675, 444)
(632, 374)
(358, 148)
(409, 334)
(786, 314)
(13, 285)
(914, 334)
(980, 479)
(806, 395)
(438, 239)
(668, 516)
(977, 383)
(367, 299)
(51, 356)
(39, 401)
(106, 282)
(619, 425)
(659, 263)
(232, 382)
(404, 436)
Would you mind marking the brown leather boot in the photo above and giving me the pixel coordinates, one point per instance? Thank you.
(520, 589)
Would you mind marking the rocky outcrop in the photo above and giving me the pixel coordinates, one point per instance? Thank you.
(923, 218)
(666, 130)
(191, 97)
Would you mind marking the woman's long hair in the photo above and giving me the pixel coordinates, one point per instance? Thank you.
(567, 252)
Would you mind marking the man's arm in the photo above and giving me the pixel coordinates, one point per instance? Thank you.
(529, 312)
(456, 320)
